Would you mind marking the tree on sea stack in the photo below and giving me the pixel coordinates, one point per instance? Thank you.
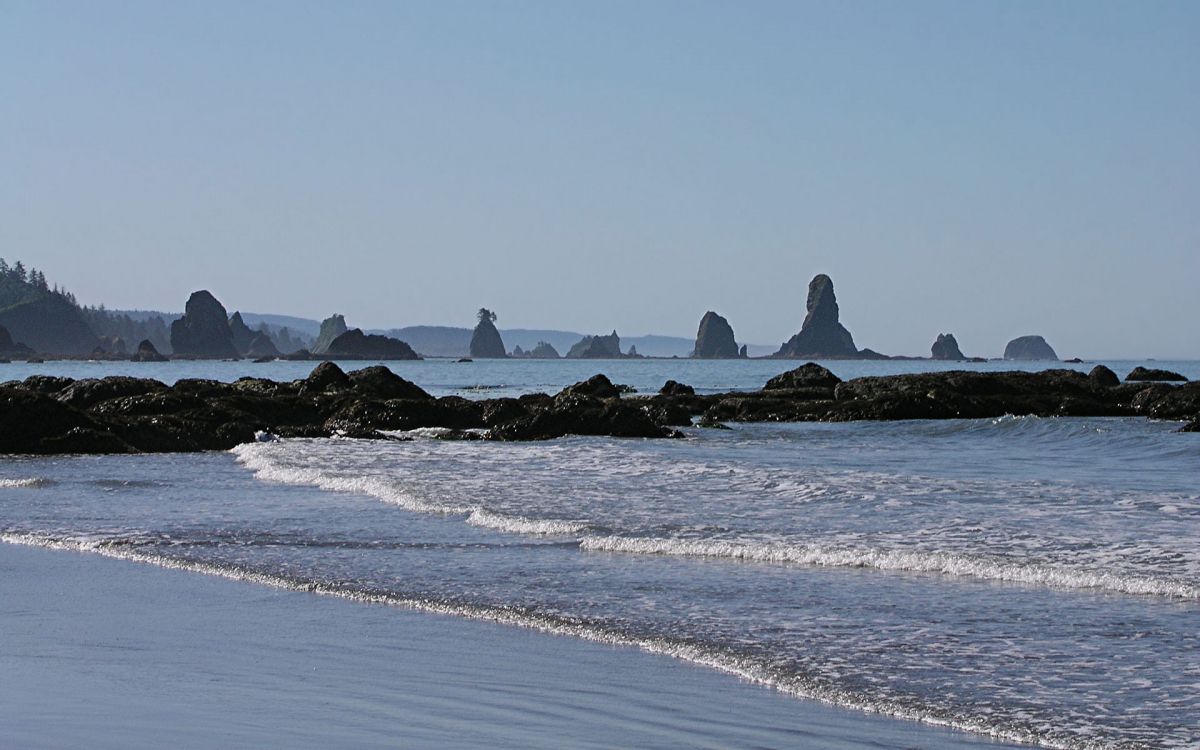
(485, 339)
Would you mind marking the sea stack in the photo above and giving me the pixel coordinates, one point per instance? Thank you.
(1029, 348)
(485, 339)
(147, 352)
(203, 331)
(242, 335)
(597, 347)
(714, 339)
(946, 347)
(354, 344)
(331, 328)
(821, 335)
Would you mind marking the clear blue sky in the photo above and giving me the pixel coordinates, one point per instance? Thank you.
(988, 169)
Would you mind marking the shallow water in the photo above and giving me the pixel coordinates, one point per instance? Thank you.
(1029, 579)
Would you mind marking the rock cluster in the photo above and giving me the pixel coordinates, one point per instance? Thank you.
(543, 350)
(597, 347)
(821, 335)
(331, 328)
(714, 339)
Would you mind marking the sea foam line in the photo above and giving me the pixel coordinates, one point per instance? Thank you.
(895, 560)
(797, 686)
(24, 482)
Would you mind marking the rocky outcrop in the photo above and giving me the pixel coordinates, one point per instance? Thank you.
(807, 375)
(821, 335)
(1147, 373)
(43, 415)
(241, 333)
(674, 388)
(203, 331)
(1102, 377)
(1029, 348)
(485, 339)
(147, 352)
(543, 350)
(354, 344)
(714, 338)
(946, 347)
(331, 328)
(597, 347)
(261, 346)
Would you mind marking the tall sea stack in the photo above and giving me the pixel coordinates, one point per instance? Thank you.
(946, 347)
(331, 328)
(203, 331)
(821, 335)
(485, 339)
(714, 339)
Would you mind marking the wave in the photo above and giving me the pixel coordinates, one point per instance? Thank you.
(27, 482)
(389, 492)
(1007, 729)
(897, 560)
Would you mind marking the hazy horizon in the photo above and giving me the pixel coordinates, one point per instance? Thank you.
(989, 169)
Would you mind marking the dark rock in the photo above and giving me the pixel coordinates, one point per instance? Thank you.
(46, 385)
(1145, 373)
(241, 334)
(714, 339)
(1029, 348)
(742, 353)
(821, 335)
(946, 347)
(1074, 361)
(146, 352)
(380, 382)
(331, 328)
(203, 331)
(354, 344)
(597, 347)
(31, 422)
(582, 415)
(464, 359)
(325, 377)
(1102, 377)
(597, 386)
(672, 388)
(1193, 426)
(485, 339)
(82, 394)
(807, 375)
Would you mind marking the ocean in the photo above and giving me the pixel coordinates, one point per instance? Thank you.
(1029, 580)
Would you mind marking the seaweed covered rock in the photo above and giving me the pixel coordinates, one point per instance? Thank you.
(673, 388)
(807, 375)
(597, 386)
(1103, 377)
(1146, 373)
(381, 382)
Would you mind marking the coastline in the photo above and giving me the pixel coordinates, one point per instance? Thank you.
(110, 653)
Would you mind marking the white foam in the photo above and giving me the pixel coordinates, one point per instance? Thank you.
(24, 482)
(746, 668)
(896, 560)
(521, 525)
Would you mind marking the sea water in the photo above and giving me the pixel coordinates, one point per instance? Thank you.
(1030, 579)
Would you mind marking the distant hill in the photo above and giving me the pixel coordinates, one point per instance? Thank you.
(47, 320)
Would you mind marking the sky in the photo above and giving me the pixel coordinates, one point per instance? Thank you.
(990, 169)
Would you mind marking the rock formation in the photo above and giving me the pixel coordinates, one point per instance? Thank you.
(1102, 377)
(261, 346)
(242, 335)
(203, 331)
(354, 344)
(147, 352)
(1029, 348)
(485, 339)
(742, 353)
(331, 328)
(597, 347)
(807, 375)
(821, 335)
(1144, 373)
(714, 339)
(543, 350)
(946, 347)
